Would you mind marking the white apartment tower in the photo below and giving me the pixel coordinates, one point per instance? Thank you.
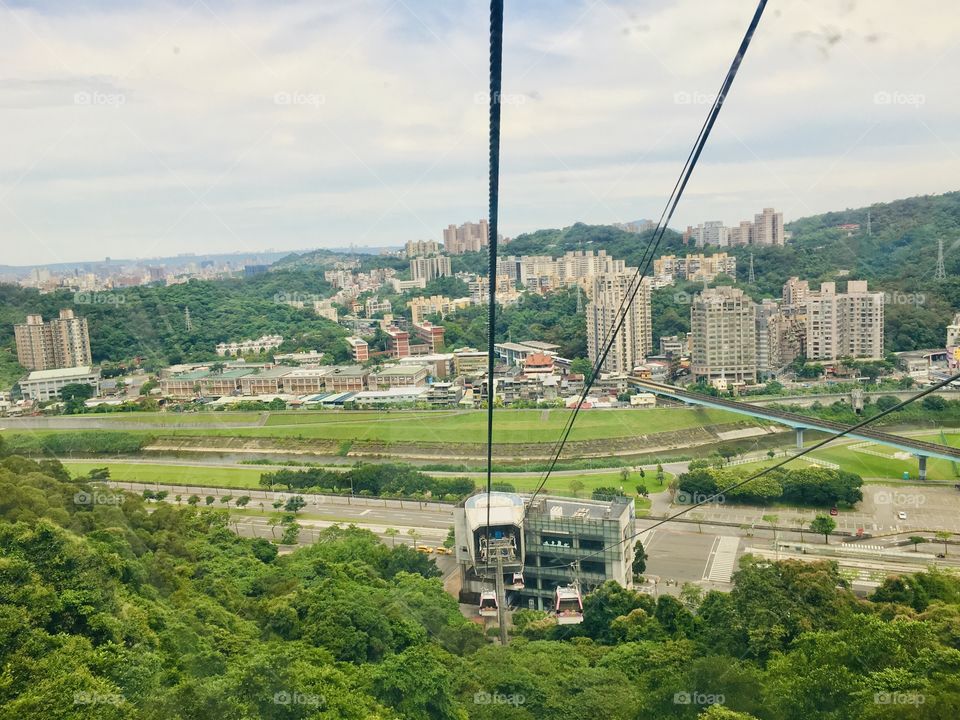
(768, 228)
(430, 268)
(60, 343)
(469, 237)
(635, 339)
(723, 334)
(846, 324)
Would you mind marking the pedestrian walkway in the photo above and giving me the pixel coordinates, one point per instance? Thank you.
(724, 558)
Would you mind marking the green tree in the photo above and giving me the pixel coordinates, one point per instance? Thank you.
(823, 525)
(392, 534)
(582, 366)
(916, 540)
(576, 485)
(943, 536)
(294, 504)
(291, 534)
(639, 565)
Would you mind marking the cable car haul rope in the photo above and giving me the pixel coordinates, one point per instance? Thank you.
(568, 601)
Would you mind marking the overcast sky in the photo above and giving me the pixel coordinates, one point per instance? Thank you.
(145, 129)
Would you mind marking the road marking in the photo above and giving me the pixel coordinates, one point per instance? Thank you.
(365, 512)
(724, 559)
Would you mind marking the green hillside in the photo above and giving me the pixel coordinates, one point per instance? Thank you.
(114, 607)
(150, 321)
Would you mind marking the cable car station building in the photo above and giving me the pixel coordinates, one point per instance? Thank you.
(550, 536)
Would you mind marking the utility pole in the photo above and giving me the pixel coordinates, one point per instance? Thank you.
(501, 602)
(501, 547)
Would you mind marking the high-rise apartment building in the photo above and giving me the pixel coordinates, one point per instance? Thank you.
(421, 248)
(723, 336)
(848, 324)
(695, 268)
(469, 237)
(60, 343)
(430, 268)
(634, 341)
(714, 233)
(795, 292)
(768, 228)
(440, 305)
(742, 234)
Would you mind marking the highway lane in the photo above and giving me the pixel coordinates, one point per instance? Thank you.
(671, 467)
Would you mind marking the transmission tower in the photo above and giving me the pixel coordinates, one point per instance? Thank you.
(750, 276)
(186, 318)
(868, 222)
(579, 299)
(941, 272)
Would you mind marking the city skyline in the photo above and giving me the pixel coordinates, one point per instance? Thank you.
(221, 128)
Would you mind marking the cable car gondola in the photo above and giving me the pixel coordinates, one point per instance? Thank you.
(488, 604)
(517, 581)
(568, 606)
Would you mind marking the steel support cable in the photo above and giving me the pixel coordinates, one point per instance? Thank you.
(765, 471)
(496, 71)
(665, 217)
(642, 270)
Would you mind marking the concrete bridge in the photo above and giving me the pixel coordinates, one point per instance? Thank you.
(920, 448)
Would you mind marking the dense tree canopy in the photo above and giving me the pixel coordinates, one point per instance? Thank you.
(111, 608)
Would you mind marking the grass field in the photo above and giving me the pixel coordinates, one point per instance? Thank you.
(169, 418)
(240, 478)
(871, 466)
(174, 474)
(511, 426)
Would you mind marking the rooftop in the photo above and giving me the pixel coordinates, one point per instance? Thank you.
(58, 373)
(271, 373)
(356, 371)
(579, 509)
(192, 375)
(536, 344)
(390, 393)
(404, 369)
(229, 374)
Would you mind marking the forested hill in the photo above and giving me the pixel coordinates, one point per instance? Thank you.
(898, 256)
(150, 321)
(901, 244)
(112, 607)
(618, 243)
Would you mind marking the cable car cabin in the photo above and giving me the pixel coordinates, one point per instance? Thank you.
(517, 581)
(488, 603)
(568, 606)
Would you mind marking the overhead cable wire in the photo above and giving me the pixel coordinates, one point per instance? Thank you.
(771, 468)
(653, 245)
(496, 72)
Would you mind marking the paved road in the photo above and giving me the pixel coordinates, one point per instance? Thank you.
(926, 508)
(674, 467)
(678, 552)
(401, 514)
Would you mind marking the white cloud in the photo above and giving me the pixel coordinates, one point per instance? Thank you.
(162, 125)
